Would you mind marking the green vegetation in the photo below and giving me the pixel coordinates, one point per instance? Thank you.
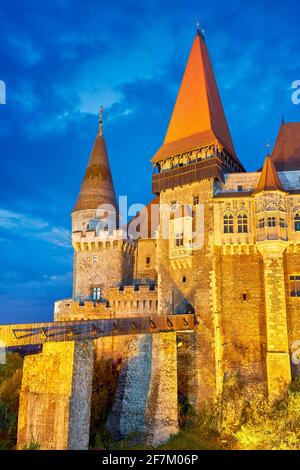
(230, 424)
(233, 424)
(10, 385)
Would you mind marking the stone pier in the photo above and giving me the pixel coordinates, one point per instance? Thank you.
(145, 406)
(278, 358)
(54, 410)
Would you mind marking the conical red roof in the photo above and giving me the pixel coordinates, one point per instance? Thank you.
(198, 117)
(269, 179)
(286, 153)
(97, 186)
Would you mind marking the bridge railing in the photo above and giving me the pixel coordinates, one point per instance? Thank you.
(13, 336)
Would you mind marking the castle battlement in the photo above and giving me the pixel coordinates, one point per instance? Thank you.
(92, 240)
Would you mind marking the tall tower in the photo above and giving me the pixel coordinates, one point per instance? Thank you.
(103, 255)
(272, 241)
(196, 153)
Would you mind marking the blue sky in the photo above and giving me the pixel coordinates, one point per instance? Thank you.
(62, 59)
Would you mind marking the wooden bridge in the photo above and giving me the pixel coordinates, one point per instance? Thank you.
(35, 334)
(58, 371)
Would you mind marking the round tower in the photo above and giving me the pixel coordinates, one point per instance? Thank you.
(102, 253)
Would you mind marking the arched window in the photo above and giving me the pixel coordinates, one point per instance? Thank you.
(228, 223)
(242, 223)
(297, 222)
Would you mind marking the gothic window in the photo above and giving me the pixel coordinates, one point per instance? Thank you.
(297, 222)
(228, 223)
(96, 293)
(261, 223)
(271, 222)
(179, 240)
(242, 223)
(295, 285)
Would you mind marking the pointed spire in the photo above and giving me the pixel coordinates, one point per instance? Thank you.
(269, 179)
(100, 132)
(286, 152)
(198, 118)
(97, 187)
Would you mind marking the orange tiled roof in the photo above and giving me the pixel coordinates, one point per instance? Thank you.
(97, 186)
(148, 220)
(286, 153)
(198, 117)
(269, 179)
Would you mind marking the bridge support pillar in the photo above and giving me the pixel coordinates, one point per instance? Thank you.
(54, 410)
(146, 402)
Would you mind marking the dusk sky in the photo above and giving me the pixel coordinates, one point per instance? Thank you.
(62, 59)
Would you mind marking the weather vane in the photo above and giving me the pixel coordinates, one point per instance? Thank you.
(101, 120)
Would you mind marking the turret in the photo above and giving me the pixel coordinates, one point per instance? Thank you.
(103, 255)
(270, 206)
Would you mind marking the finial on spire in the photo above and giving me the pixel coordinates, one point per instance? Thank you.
(200, 32)
(268, 147)
(101, 120)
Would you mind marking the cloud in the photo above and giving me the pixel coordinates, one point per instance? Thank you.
(27, 226)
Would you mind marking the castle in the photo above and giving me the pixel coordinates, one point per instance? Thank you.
(242, 280)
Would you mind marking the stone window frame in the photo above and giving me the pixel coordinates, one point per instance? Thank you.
(297, 221)
(179, 240)
(242, 222)
(196, 200)
(294, 283)
(282, 223)
(228, 223)
(271, 222)
(96, 293)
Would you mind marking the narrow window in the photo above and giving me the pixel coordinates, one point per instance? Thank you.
(173, 205)
(183, 280)
(261, 223)
(196, 200)
(295, 285)
(240, 188)
(148, 259)
(271, 222)
(179, 240)
(282, 222)
(242, 223)
(244, 296)
(95, 259)
(96, 293)
(228, 223)
(297, 222)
